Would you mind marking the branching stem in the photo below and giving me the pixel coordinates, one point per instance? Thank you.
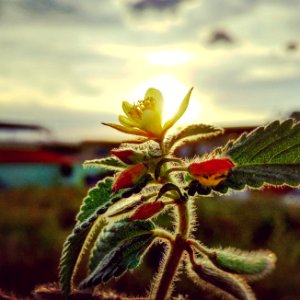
(164, 234)
(199, 247)
(175, 254)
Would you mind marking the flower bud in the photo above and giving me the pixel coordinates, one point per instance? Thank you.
(147, 210)
(211, 172)
(128, 156)
(129, 177)
(210, 167)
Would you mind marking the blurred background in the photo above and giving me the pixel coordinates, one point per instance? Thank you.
(65, 67)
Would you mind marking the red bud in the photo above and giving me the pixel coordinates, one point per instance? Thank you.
(128, 156)
(129, 177)
(147, 210)
(211, 167)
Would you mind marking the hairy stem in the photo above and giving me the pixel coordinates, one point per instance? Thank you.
(163, 234)
(174, 256)
(201, 248)
(183, 219)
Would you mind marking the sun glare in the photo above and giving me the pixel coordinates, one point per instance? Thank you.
(168, 58)
(173, 91)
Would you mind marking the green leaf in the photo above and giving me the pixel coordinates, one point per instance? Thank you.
(129, 207)
(100, 198)
(252, 265)
(115, 234)
(95, 205)
(70, 253)
(192, 133)
(277, 143)
(256, 175)
(229, 283)
(120, 259)
(96, 197)
(73, 249)
(269, 155)
(107, 164)
(117, 250)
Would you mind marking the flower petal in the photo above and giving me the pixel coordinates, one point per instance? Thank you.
(212, 180)
(129, 130)
(126, 106)
(158, 98)
(181, 110)
(128, 122)
(212, 166)
(151, 122)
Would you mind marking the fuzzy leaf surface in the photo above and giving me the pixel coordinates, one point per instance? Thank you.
(231, 284)
(117, 250)
(70, 253)
(116, 234)
(100, 198)
(193, 132)
(107, 164)
(73, 249)
(277, 143)
(269, 154)
(96, 197)
(127, 207)
(252, 265)
(90, 211)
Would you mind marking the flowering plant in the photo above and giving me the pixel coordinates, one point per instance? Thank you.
(149, 178)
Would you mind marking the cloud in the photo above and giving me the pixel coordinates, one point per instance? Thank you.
(90, 12)
(61, 55)
(66, 64)
(155, 4)
(220, 36)
(66, 124)
(264, 83)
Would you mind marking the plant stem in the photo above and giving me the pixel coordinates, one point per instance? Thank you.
(164, 234)
(176, 169)
(183, 219)
(174, 256)
(201, 248)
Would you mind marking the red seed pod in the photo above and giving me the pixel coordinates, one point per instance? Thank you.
(210, 167)
(128, 156)
(129, 177)
(147, 210)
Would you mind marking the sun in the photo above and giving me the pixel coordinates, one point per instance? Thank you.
(173, 91)
(168, 58)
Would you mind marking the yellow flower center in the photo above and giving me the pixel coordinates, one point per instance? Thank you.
(212, 180)
(137, 110)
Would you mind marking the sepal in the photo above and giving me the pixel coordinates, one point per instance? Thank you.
(129, 156)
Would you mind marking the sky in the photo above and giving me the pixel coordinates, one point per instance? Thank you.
(67, 65)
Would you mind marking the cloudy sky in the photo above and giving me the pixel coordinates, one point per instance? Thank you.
(67, 65)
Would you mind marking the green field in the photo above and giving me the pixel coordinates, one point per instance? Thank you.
(35, 221)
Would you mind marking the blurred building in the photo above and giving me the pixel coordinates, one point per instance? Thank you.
(207, 145)
(29, 157)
